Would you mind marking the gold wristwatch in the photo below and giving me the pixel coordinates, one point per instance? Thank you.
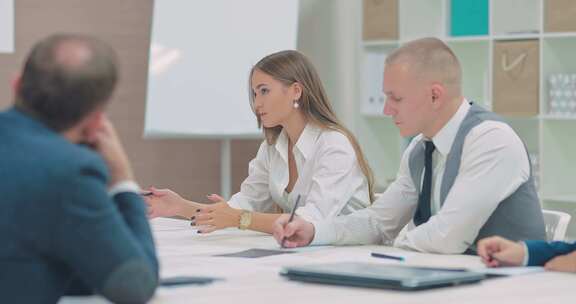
(245, 220)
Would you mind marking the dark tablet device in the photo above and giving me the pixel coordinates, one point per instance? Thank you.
(380, 275)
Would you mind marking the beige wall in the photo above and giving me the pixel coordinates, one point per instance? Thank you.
(191, 167)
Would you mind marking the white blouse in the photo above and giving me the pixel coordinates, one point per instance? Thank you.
(330, 180)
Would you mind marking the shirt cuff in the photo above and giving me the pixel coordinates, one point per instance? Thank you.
(239, 205)
(323, 233)
(237, 201)
(526, 254)
(234, 204)
(124, 186)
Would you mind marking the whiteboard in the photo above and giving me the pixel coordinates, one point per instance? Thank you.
(6, 26)
(201, 54)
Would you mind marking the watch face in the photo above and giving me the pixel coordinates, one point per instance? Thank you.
(245, 219)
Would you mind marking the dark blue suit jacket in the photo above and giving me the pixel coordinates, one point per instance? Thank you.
(540, 252)
(60, 231)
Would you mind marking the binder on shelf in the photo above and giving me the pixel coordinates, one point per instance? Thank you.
(373, 101)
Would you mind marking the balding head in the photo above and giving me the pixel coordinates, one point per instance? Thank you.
(65, 78)
(72, 53)
(432, 60)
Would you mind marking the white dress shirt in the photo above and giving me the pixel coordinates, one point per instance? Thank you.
(330, 180)
(124, 186)
(494, 164)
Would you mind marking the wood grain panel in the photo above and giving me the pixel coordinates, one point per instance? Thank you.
(191, 167)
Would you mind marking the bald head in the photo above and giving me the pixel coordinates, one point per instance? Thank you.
(72, 53)
(65, 78)
(430, 59)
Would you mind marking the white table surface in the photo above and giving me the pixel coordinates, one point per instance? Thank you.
(184, 252)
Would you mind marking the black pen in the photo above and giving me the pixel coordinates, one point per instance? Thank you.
(291, 218)
(385, 256)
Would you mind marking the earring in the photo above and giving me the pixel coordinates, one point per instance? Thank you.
(296, 104)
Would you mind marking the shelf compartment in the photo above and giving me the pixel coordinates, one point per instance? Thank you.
(506, 20)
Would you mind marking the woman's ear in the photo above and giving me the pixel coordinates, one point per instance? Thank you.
(296, 91)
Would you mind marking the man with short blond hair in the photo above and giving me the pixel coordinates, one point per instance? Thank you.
(465, 175)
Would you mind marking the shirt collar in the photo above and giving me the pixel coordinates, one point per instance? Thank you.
(445, 137)
(305, 144)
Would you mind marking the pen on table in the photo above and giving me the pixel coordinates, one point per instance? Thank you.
(291, 218)
(386, 256)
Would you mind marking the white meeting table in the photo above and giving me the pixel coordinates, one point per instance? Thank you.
(183, 252)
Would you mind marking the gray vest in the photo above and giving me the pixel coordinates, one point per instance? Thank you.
(517, 217)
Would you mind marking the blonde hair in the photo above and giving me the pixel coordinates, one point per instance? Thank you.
(291, 67)
(432, 57)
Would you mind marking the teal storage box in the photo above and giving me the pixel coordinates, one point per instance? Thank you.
(469, 17)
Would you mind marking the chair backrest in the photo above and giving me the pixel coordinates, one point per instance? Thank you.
(556, 224)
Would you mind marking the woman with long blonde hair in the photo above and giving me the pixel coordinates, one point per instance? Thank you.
(306, 153)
